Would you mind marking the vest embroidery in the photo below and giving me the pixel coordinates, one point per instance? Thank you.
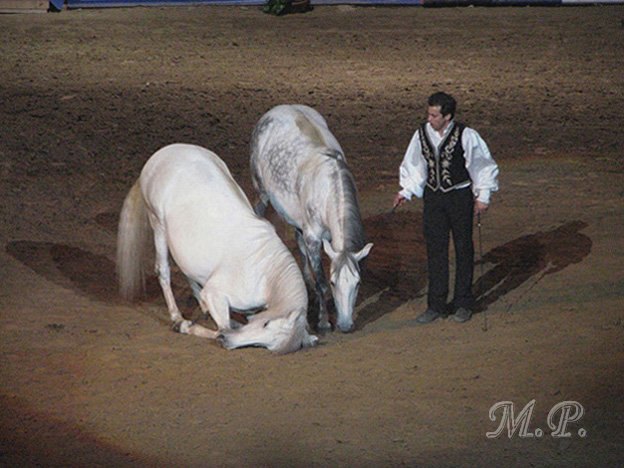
(448, 169)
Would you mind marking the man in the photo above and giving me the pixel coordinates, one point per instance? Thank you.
(450, 167)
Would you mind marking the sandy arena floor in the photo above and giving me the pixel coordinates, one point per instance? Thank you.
(87, 96)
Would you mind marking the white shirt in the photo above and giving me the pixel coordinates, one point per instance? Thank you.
(481, 166)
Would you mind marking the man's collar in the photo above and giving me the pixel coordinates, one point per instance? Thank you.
(446, 131)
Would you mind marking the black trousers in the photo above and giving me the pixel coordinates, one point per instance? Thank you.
(443, 214)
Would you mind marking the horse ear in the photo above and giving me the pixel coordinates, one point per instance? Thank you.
(364, 252)
(329, 250)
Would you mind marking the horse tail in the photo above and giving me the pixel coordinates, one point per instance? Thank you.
(133, 236)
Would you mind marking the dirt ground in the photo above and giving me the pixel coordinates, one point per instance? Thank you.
(87, 96)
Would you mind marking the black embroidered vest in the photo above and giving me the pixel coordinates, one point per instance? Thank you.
(448, 169)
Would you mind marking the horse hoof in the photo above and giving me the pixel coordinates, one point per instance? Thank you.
(224, 342)
(181, 326)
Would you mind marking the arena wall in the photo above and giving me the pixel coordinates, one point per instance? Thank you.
(425, 3)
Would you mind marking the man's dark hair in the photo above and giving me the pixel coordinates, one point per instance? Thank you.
(447, 103)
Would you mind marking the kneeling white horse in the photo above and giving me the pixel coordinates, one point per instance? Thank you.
(233, 259)
(298, 166)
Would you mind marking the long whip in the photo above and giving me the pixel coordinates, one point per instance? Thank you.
(485, 323)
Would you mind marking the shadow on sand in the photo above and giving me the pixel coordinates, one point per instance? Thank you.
(531, 256)
(396, 269)
(394, 273)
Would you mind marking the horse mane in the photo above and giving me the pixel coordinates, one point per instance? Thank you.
(350, 218)
(292, 290)
(285, 275)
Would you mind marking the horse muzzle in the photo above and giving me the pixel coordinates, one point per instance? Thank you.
(346, 327)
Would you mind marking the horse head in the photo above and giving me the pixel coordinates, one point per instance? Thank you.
(345, 282)
(282, 335)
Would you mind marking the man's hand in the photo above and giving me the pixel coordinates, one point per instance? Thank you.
(480, 207)
(398, 200)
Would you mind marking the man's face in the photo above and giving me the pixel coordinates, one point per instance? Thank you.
(436, 119)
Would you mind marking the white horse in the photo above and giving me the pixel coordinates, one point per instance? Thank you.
(233, 259)
(298, 166)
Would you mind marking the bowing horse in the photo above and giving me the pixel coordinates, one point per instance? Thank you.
(298, 166)
(232, 258)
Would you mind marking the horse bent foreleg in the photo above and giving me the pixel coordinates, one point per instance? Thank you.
(200, 331)
(217, 305)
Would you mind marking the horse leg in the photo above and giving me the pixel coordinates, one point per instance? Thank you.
(262, 205)
(195, 287)
(164, 277)
(217, 305)
(303, 250)
(263, 196)
(163, 271)
(191, 328)
(313, 248)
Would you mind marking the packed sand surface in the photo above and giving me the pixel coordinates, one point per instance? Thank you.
(87, 379)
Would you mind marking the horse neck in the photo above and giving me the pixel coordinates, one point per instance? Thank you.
(287, 288)
(343, 213)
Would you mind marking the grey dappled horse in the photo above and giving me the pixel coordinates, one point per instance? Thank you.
(298, 166)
